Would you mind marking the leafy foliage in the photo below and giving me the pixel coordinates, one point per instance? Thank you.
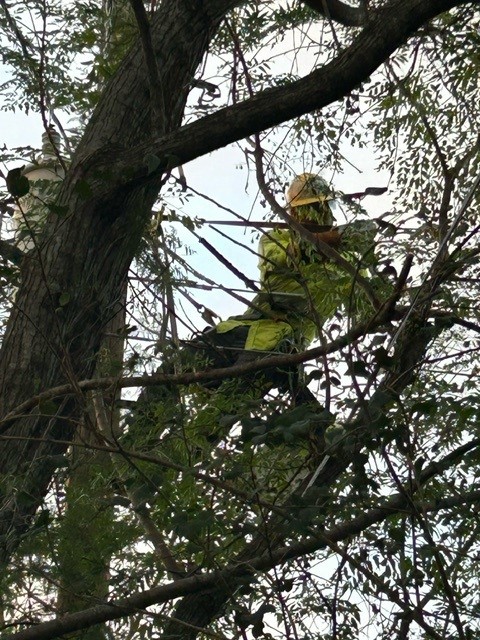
(361, 506)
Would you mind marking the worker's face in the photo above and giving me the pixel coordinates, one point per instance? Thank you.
(318, 212)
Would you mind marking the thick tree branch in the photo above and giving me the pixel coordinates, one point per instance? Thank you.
(86, 256)
(339, 11)
(157, 100)
(385, 31)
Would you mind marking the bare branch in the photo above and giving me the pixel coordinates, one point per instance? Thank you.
(236, 371)
(157, 101)
(141, 510)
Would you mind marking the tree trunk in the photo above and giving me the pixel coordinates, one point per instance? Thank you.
(83, 557)
(71, 287)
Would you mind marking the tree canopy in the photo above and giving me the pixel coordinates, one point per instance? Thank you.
(198, 509)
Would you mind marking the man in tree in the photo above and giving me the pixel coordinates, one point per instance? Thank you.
(300, 286)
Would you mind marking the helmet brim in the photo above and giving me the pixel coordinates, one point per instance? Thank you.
(299, 202)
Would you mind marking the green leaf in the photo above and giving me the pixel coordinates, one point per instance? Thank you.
(43, 519)
(153, 162)
(17, 184)
(83, 189)
(300, 428)
(383, 359)
(47, 407)
(358, 368)
(316, 374)
(227, 421)
(58, 210)
(188, 223)
(382, 399)
(426, 407)
(64, 299)
(334, 434)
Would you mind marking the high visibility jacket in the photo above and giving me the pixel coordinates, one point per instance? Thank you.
(300, 289)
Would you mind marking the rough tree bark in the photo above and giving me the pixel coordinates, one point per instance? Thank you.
(87, 257)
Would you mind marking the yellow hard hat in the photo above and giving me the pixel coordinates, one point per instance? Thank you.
(307, 188)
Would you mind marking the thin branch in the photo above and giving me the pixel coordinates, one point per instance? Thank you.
(248, 283)
(141, 511)
(231, 575)
(236, 371)
(26, 46)
(157, 102)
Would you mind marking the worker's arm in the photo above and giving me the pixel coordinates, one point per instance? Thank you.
(332, 237)
(281, 249)
(274, 250)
